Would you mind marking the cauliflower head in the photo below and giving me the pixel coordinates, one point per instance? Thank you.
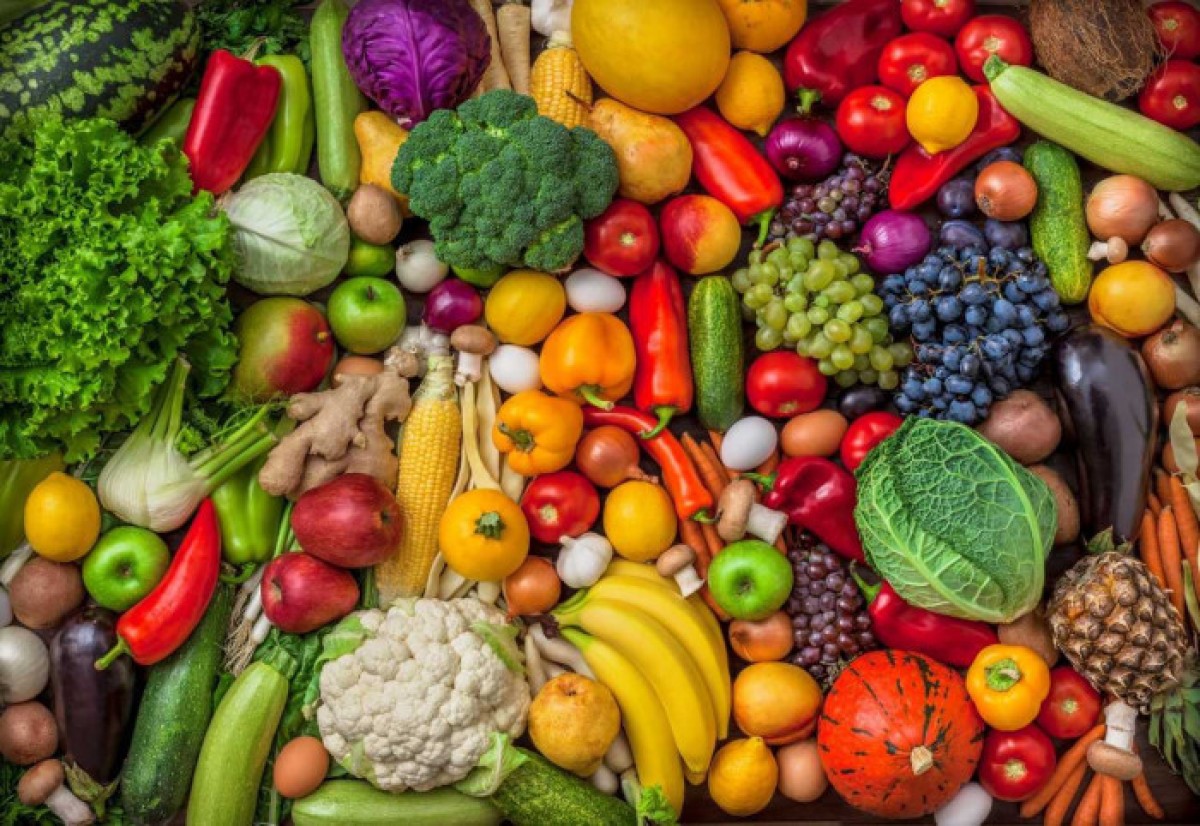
(415, 704)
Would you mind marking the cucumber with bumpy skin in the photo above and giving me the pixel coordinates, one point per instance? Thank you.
(715, 333)
(1058, 226)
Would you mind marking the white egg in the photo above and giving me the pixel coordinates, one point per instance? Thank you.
(514, 368)
(748, 443)
(591, 291)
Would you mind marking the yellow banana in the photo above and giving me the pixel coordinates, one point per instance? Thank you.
(638, 570)
(642, 714)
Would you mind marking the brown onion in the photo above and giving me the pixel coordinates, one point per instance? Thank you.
(608, 456)
(1189, 397)
(1005, 191)
(763, 641)
(1173, 245)
(1123, 206)
(1173, 355)
(534, 588)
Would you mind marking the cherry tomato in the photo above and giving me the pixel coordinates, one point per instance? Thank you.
(623, 240)
(944, 17)
(988, 35)
(560, 504)
(1016, 764)
(910, 60)
(1072, 707)
(1178, 27)
(871, 122)
(865, 432)
(783, 384)
(1172, 95)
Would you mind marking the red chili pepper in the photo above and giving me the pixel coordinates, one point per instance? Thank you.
(151, 630)
(917, 175)
(662, 383)
(682, 481)
(896, 624)
(731, 169)
(1171, 95)
(839, 51)
(233, 114)
(819, 497)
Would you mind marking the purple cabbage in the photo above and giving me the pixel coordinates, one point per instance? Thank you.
(414, 56)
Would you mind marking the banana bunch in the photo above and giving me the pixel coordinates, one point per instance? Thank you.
(663, 658)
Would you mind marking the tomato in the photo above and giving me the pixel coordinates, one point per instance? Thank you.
(871, 122)
(988, 35)
(944, 17)
(1072, 707)
(783, 384)
(865, 432)
(910, 60)
(560, 504)
(1172, 95)
(1178, 27)
(623, 240)
(1016, 764)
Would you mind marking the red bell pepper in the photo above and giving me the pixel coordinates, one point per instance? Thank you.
(151, 630)
(692, 499)
(233, 114)
(731, 169)
(917, 175)
(819, 497)
(662, 382)
(839, 51)
(1171, 95)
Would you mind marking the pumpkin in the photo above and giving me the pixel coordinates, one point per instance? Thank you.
(763, 25)
(898, 734)
(662, 57)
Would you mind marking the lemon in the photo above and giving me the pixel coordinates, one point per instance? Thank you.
(525, 306)
(62, 518)
(639, 520)
(743, 777)
(941, 113)
(751, 96)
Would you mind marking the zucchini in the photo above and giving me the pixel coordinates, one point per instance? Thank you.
(176, 707)
(715, 333)
(236, 747)
(356, 803)
(1108, 135)
(1058, 225)
(336, 101)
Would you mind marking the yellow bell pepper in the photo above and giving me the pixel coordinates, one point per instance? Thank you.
(483, 535)
(379, 140)
(1008, 683)
(538, 433)
(590, 358)
(525, 306)
(942, 113)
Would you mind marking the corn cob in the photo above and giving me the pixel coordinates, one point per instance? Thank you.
(560, 84)
(429, 448)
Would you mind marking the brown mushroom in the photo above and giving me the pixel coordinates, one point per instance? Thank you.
(373, 215)
(677, 561)
(739, 514)
(43, 785)
(28, 733)
(473, 343)
(1105, 758)
(1114, 250)
(44, 593)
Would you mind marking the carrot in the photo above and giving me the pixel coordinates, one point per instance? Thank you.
(713, 480)
(1148, 544)
(512, 21)
(1153, 504)
(1071, 758)
(1162, 487)
(1112, 801)
(710, 453)
(768, 467)
(1056, 812)
(1189, 526)
(716, 437)
(1168, 546)
(1145, 798)
(494, 77)
(1087, 813)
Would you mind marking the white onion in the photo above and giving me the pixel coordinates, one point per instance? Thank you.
(24, 664)
(417, 267)
(969, 807)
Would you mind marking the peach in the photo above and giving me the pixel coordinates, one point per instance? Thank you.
(1133, 298)
(700, 234)
(778, 702)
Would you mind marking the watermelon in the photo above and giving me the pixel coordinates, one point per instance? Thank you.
(126, 60)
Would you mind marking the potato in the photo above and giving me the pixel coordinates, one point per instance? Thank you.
(1064, 500)
(373, 215)
(1023, 426)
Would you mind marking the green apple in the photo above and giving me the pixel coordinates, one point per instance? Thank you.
(367, 314)
(124, 566)
(750, 580)
(484, 277)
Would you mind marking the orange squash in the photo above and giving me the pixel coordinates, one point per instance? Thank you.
(764, 26)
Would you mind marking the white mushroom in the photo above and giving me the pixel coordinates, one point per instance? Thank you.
(740, 514)
(1115, 250)
(677, 561)
(473, 344)
(43, 784)
(1114, 754)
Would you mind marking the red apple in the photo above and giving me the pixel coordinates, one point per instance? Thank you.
(300, 593)
(352, 521)
(285, 347)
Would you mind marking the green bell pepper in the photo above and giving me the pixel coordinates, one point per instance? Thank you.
(18, 478)
(249, 517)
(289, 143)
(171, 124)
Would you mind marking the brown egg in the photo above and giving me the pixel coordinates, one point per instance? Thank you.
(356, 366)
(300, 767)
(814, 434)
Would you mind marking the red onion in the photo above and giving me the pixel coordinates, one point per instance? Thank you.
(450, 305)
(803, 149)
(892, 241)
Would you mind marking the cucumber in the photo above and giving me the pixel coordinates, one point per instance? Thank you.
(175, 710)
(236, 747)
(538, 793)
(715, 333)
(1058, 225)
(1106, 134)
(336, 101)
(356, 803)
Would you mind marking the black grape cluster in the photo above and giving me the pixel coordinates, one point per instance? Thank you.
(979, 321)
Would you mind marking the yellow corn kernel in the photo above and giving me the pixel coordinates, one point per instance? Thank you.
(560, 84)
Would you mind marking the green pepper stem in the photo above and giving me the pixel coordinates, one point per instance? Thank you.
(763, 221)
(522, 438)
(118, 650)
(490, 525)
(1003, 674)
(868, 591)
(664, 413)
(808, 98)
(591, 395)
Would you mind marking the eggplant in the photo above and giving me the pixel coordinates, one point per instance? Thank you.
(1107, 403)
(94, 709)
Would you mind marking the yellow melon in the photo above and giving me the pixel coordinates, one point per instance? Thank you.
(659, 56)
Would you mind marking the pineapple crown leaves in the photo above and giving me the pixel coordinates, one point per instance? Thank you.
(1175, 725)
(1106, 541)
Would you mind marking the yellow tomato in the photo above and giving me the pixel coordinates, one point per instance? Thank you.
(639, 520)
(941, 113)
(751, 96)
(483, 535)
(62, 518)
(524, 306)
(1134, 298)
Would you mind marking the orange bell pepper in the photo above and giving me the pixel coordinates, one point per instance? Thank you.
(589, 357)
(538, 433)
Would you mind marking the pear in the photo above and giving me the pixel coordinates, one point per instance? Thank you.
(573, 720)
(654, 157)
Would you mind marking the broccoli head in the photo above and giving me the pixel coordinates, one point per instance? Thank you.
(501, 185)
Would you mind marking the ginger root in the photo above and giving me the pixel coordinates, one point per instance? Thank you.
(342, 430)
